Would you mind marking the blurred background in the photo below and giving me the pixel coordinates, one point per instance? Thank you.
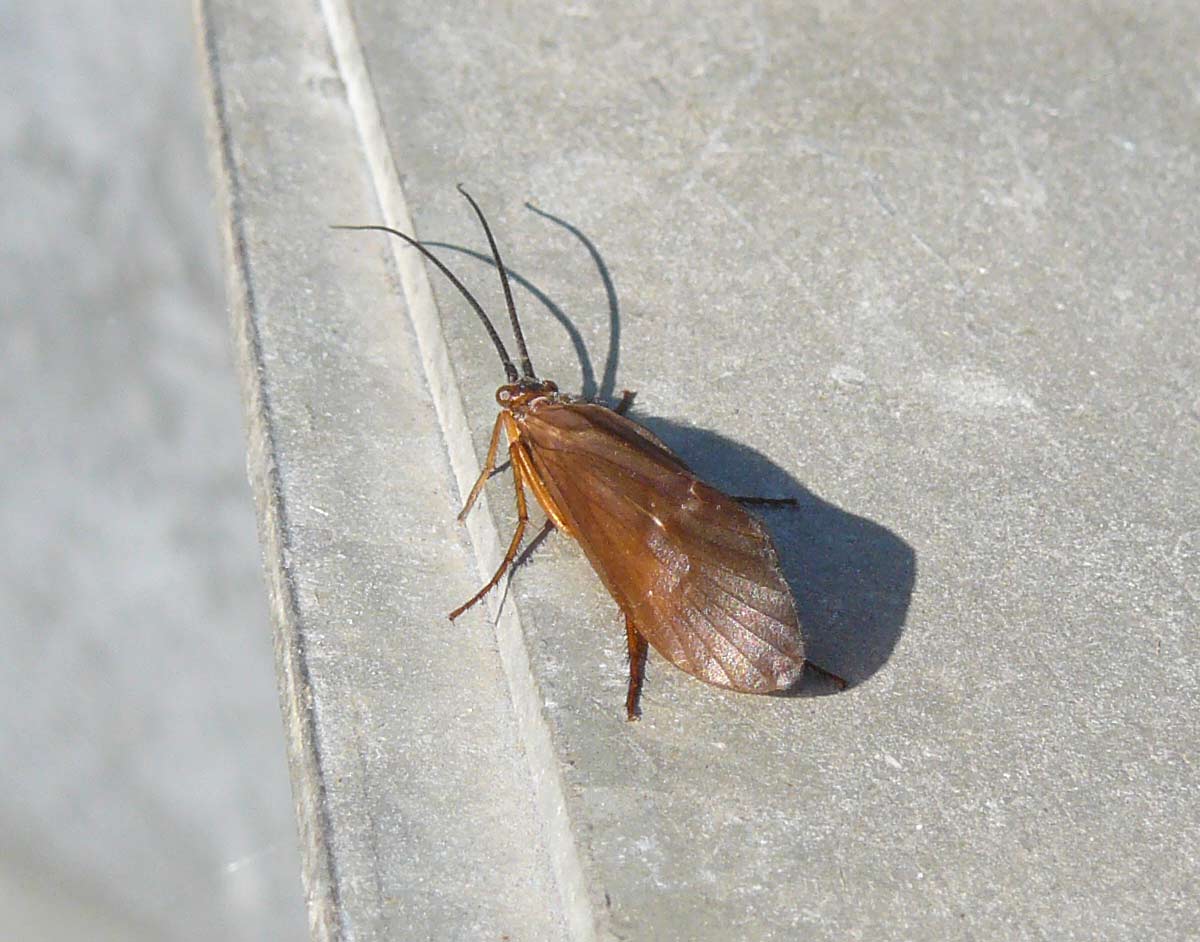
(143, 789)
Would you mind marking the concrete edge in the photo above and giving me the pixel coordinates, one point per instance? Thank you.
(533, 729)
(318, 870)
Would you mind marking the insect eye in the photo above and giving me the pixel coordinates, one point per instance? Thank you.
(503, 395)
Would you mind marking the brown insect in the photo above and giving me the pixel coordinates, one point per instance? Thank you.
(695, 575)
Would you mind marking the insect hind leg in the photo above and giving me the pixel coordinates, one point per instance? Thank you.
(638, 649)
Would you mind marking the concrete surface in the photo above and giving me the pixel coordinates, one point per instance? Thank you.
(411, 781)
(143, 787)
(932, 272)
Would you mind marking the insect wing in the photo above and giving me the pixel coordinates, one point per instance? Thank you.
(696, 573)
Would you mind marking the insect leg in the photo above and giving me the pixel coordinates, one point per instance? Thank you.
(839, 682)
(522, 520)
(532, 546)
(768, 501)
(488, 466)
(637, 669)
(529, 475)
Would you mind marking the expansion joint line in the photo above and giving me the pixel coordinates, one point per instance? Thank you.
(547, 784)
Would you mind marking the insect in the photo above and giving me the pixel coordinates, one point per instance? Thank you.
(695, 575)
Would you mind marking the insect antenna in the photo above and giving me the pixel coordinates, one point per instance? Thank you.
(526, 365)
(509, 370)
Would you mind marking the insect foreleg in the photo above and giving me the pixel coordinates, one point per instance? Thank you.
(489, 465)
(522, 521)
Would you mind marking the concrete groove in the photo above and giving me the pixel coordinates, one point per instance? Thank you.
(527, 700)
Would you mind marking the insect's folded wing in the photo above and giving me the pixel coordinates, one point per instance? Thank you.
(696, 573)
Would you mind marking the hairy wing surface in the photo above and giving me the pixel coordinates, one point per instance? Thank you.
(696, 573)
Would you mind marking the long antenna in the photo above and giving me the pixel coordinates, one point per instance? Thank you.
(509, 370)
(526, 366)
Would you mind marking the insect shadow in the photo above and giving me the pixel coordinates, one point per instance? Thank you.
(852, 579)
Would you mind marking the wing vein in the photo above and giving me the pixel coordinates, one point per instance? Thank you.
(737, 647)
(712, 654)
(771, 639)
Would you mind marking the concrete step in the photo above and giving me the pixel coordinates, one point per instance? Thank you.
(926, 273)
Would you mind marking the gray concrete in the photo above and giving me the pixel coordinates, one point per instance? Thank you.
(143, 787)
(932, 273)
(411, 781)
